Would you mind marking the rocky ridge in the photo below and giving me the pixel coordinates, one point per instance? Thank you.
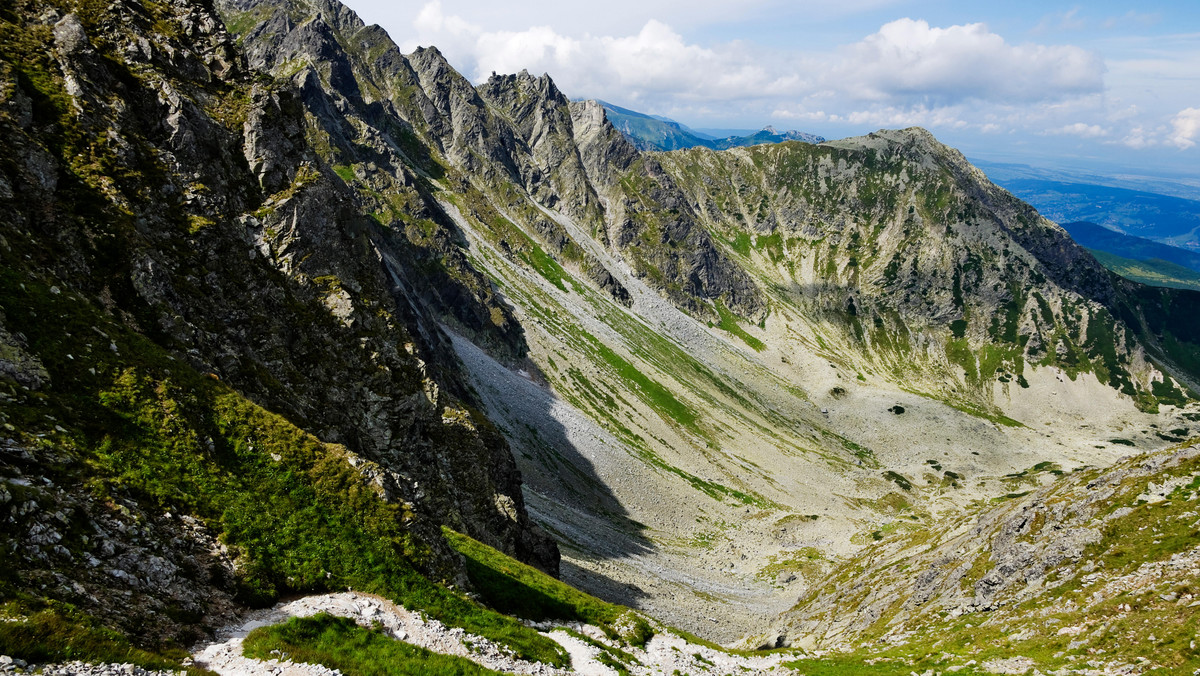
(916, 261)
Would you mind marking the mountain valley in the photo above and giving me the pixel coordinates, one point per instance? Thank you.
(286, 312)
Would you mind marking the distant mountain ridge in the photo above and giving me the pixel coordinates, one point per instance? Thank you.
(1139, 259)
(655, 132)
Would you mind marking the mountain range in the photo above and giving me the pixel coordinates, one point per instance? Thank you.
(654, 132)
(286, 311)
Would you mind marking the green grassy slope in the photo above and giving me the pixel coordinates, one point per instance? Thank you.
(1098, 568)
(1152, 272)
(339, 643)
(134, 424)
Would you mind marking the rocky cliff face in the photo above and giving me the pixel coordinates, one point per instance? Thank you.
(170, 205)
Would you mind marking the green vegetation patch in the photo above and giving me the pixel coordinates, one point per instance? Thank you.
(650, 391)
(899, 479)
(514, 588)
(49, 631)
(615, 658)
(807, 561)
(729, 322)
(339, 643)
(295, 514)
(546, 266)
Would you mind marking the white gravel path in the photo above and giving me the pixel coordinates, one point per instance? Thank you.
(664, 654)
(224, 655)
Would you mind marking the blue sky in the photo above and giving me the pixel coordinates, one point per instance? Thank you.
(1109, 86)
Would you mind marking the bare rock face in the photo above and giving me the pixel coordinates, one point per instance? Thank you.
(274, 137)
(160, 576)
(17, 364)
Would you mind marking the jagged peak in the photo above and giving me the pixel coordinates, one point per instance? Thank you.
(431, 58)
(524, 80)
(594, 107)
(431, 52)
(431, 66)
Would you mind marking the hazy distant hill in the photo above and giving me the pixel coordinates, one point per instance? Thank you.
(1152, 272)
(654, 132)
(1100, 238)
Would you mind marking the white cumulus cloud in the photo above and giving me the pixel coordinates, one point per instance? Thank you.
(656, 60)
(906, 73)
(906, 64)
(909, 60)
(1081, 129)
(1185, 128)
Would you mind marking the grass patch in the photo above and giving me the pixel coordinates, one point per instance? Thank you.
(41, 632)
(980, 412)
(807, 561)
(729, 323)
(514, 588)
(339, 643)
(650, 391)
(546, 266)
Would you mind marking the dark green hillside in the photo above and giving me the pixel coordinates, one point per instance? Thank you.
(1150, 271)
(1097, 237)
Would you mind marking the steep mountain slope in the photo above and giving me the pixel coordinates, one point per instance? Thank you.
(893, 235)
(206, 336)
(1094, 570)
